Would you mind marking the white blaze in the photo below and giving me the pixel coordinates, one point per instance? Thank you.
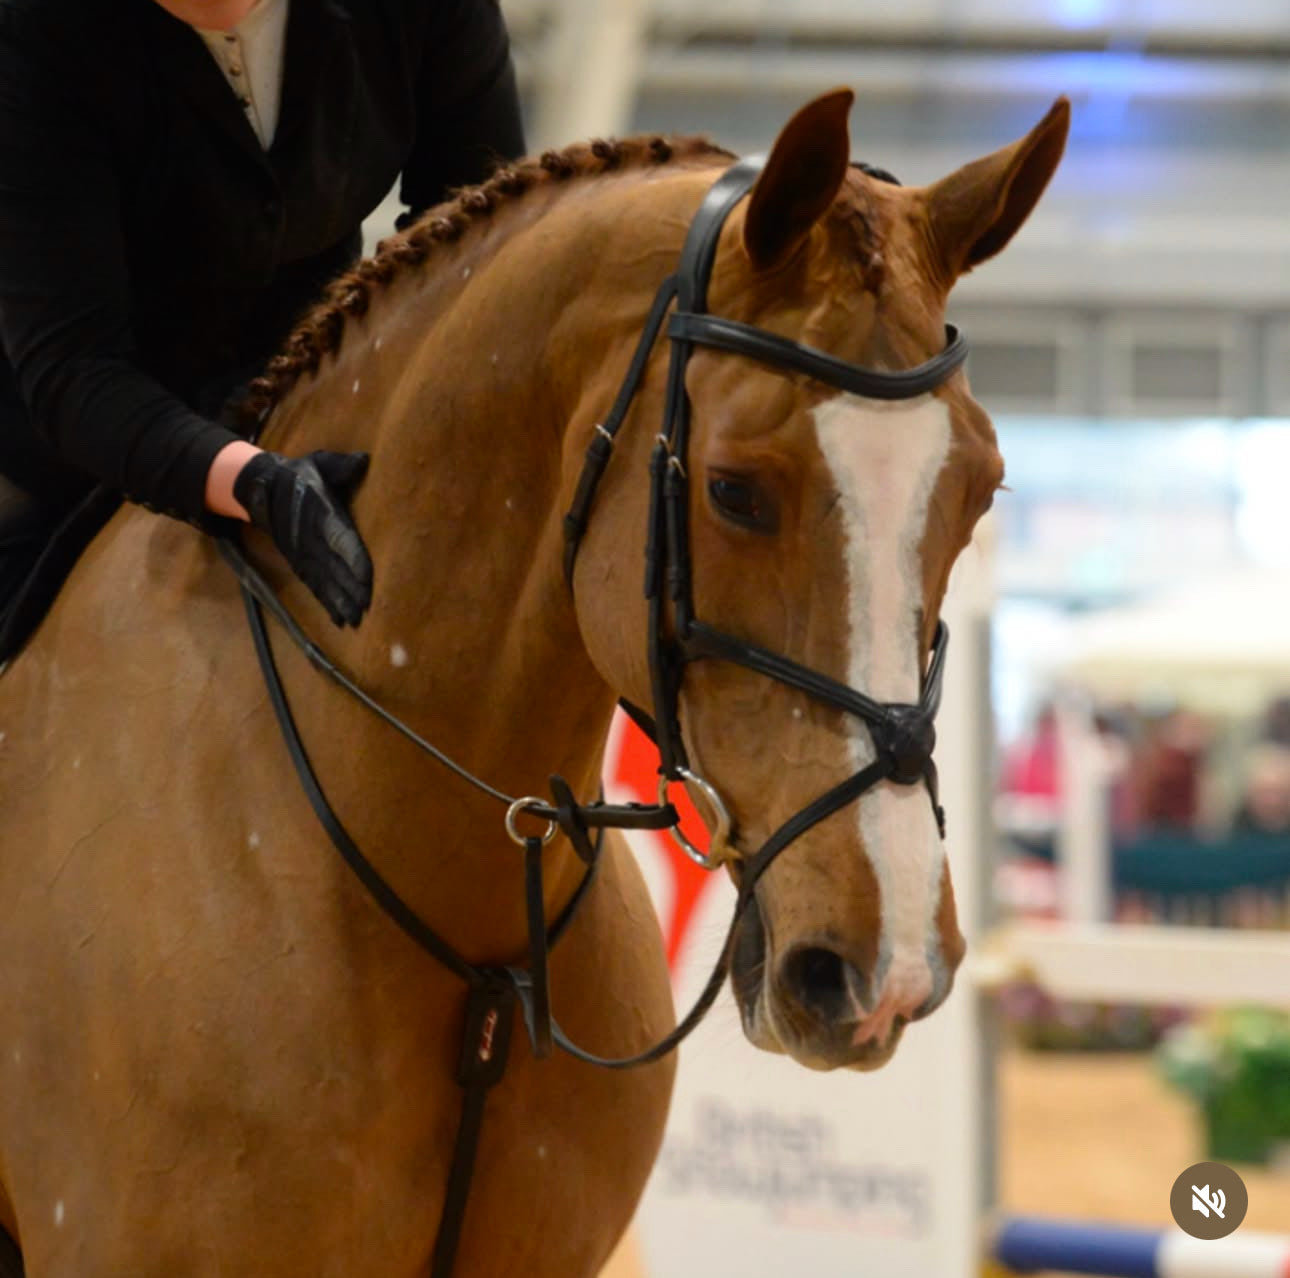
(885, 459)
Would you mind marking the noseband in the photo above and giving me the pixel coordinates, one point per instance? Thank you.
(903, 735)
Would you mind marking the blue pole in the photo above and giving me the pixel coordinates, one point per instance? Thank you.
(1030, 1244)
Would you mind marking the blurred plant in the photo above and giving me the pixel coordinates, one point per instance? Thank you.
(1236, 1065)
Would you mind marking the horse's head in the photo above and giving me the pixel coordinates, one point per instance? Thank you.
(822, 526)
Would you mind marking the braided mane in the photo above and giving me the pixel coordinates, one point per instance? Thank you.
(351, 294)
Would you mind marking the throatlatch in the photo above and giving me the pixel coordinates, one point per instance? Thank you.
(903, 734)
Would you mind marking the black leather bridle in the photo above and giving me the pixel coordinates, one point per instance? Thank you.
(903, 734)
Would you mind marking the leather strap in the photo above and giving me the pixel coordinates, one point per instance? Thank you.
(371, 878)
(539, 957)
(627, 816)
(781, 352)
(699, 252)
(491, 995)
(601, 447)
(797, 825)
(485, 1050)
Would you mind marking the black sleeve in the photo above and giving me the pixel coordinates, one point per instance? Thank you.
(64, 295)
(468, 105)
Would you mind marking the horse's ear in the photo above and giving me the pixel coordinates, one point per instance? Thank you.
(976, 210)
(802, 176)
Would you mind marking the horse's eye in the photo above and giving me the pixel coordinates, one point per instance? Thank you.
(742, 502)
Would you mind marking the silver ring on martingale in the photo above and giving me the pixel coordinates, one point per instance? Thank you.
(721, 851)
(523, 805)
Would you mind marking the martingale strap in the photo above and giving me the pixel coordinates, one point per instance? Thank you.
(485, 1052)
(491, 993)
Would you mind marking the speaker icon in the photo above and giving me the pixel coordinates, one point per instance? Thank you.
(1205, 1202)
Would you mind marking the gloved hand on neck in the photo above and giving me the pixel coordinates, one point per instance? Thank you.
(302, 503)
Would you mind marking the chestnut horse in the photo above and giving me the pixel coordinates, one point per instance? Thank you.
(217, 1056)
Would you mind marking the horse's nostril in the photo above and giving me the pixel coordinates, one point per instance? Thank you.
(942, 983)
(821, 982)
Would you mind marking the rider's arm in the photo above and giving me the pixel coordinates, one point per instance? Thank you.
(64, 297)
(468, 107)
(223, 475)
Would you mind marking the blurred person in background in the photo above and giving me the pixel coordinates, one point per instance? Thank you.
(1166, 771)
(1265, 801)
(1276, 722)
(178, 180)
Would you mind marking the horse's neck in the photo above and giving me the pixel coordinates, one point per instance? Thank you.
(472, 634)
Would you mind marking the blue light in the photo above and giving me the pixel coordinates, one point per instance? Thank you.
(1081, 13)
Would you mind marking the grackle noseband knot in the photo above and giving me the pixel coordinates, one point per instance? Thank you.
(905, 739)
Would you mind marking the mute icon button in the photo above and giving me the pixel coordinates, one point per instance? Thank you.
(1202, 1202)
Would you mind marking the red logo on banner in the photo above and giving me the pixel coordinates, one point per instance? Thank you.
(633, 767)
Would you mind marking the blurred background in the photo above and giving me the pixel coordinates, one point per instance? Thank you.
(1133, 347)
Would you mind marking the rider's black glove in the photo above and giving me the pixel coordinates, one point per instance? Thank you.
(301, 503)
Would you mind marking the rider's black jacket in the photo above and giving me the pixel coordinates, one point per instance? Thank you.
(150, 248)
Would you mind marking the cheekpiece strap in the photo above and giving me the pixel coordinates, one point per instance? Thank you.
(601, 447)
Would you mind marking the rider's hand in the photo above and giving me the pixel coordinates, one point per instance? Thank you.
(302, 504)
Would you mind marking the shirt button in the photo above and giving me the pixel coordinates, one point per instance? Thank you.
(234, 69)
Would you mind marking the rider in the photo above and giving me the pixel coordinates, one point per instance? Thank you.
(178, 180)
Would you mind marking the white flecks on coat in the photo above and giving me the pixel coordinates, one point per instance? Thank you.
(465, 272)
(76, 764)
(59, 1213)
(541, 1151)
(376, 343)
(17, 1055)
(510, 505)
(1, 738)
(357, 384)
(885, 459)
(253, 839)
(494, 358)
(398, 656)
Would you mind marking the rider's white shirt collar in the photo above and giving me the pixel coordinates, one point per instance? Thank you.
(250, 56)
